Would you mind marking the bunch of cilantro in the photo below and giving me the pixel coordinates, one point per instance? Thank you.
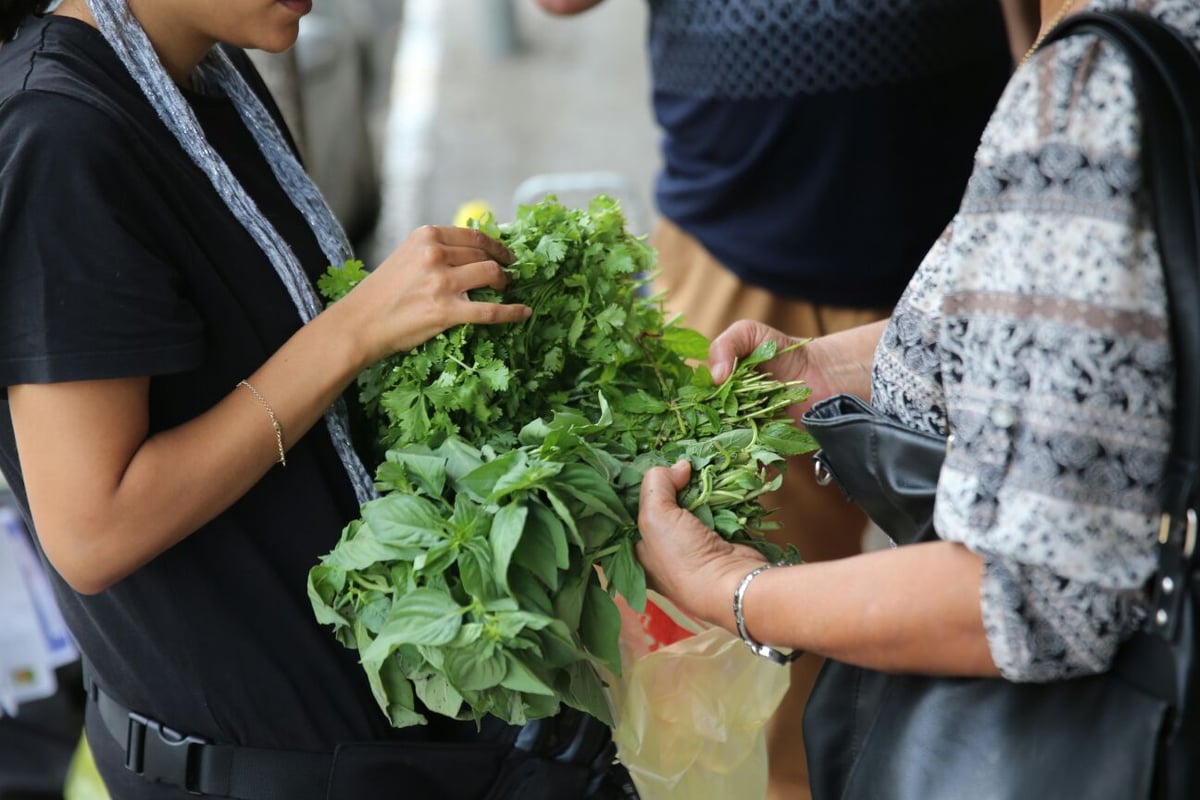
(510, 459)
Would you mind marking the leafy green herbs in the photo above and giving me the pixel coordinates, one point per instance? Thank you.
(510, 459)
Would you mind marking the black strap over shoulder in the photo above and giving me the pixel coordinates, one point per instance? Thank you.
(1166, 71)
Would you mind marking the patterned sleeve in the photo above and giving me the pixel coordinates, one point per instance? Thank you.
(1036, 332)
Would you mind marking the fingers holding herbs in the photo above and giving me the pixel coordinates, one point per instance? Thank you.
(439, 277)
(745, 336)
(683, 559)
(828, 365)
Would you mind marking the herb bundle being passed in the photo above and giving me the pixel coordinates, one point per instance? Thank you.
(511, 458)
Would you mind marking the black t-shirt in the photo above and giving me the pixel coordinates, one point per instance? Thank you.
(117, 258)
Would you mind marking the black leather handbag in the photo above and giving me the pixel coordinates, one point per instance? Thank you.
(1130, 733)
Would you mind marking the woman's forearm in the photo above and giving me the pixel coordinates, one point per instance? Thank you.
(844, 358)
(909, 609)
(133, 496)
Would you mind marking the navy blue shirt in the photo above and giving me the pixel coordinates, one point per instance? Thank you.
(815, 153)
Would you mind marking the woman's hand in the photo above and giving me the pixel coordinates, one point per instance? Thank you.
(907, 609)
(421, 289)
(832, 364)
(683, 559)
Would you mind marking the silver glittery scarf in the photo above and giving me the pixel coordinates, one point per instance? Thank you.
(126, 36)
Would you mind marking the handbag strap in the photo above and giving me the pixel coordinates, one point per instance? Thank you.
(1166, 69)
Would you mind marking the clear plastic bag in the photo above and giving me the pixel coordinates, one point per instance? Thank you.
(692, 707)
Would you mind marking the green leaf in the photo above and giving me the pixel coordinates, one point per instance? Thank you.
(543, 550)
(478, 577)
(325, 584)
(437, 693)
(513, 622)
(534, 433)
(507, 527)
(373, 613)
(626, 575)
(404, 521)
(727, 523)
(585, 691)
(423, 616)
(687, 343)
(362, 548)
(568, 519)
(531, 593)
(787, 439)
(568, 603)
(539, 706)
(593, 491)
(534, 475)
(394, 693)
(496, 376)
(600, 626)
(481, 481)
(436, 560)
(641, 402)
(551, 248)
(764, 352)
(469, 673)
(522, 678)
(461, 458)
(559, 647)
(428, 472)
(337, 282)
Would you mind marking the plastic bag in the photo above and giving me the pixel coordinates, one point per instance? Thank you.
(692, 707)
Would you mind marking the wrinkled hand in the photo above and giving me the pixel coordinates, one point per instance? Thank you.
(684, 560)
(742, 338)
(421, 288)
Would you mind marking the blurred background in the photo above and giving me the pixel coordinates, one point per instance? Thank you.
(407, 109)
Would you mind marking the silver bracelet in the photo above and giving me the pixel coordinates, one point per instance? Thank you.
(755, 647)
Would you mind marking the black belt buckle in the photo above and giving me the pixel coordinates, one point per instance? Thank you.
(161, 754)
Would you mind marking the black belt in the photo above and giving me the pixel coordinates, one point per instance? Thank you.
(159, 754)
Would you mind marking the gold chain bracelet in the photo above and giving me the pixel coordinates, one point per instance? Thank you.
(262, 401)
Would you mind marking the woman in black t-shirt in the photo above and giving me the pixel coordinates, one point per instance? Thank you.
(173, 422)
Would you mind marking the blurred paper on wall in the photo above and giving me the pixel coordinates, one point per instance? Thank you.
(34, 640)
(25, 669)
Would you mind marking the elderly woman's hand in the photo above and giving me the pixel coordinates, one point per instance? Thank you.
(685, 560)
(837, 362)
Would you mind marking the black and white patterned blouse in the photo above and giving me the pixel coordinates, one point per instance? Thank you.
(1036, 332)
